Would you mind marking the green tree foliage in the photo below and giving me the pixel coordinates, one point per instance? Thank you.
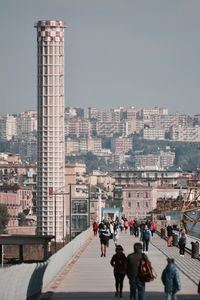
(21, 218)
(4, 218)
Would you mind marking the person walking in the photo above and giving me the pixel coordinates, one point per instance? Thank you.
(152, 227)
(132, 272)
(145, 238)
(116, 236)
(169, 235)
(95, 228)
(118, 262)
(182, 244)
(170, 279)
(104, 235)
(125, 225)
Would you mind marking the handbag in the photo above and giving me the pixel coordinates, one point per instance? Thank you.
(111, 236)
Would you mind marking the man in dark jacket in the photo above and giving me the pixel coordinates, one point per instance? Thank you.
(132, 267)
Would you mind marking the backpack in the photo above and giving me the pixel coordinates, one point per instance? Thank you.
(146, 273)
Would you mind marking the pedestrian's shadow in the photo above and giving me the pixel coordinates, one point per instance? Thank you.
(108, 295)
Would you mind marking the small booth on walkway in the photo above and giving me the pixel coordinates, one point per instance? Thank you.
(22, 240)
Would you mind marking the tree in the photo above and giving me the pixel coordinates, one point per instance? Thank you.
(4, 217)
(21, 218)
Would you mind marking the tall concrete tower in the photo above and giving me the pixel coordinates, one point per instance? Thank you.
(51, 139)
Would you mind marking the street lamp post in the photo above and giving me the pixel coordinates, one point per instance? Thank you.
(55, 225)
(70, 211)
(99, 198)
(55, 222)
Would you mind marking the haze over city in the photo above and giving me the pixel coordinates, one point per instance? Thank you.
(117, 53)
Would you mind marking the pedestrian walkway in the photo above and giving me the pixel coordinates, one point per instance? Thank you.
(90, 276)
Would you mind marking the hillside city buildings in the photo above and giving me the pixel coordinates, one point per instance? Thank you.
(87, 131)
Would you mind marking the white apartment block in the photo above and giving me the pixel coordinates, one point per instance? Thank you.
(78, 127)
(153, 134)
(26, 122)
(71, 145)
(108, 128)
(187, 134)
(147, 162)
(163, 160)
(8, 128)
(166, 159)
(74, 145)
(154, 111)
(51, 140)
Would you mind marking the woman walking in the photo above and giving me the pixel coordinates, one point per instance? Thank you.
(118, 262)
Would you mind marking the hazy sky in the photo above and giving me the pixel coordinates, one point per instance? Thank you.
(117, 53)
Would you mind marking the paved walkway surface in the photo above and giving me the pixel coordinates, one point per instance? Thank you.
(90, 276)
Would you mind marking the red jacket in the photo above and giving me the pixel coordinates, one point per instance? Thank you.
(95, 226)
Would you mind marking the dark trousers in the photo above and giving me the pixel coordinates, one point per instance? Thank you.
(119, 279)
(137, 286)
(182, 249)
(145, 245)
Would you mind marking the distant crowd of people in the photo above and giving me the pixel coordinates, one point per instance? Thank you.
(129, 266)
(144, 230)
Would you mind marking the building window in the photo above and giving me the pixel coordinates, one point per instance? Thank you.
(147, 205)
(129, 204)
(138, 204)
(146, 195)
(137, 194)
(129, 194)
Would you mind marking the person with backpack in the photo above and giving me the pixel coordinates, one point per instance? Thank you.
(145, 238)
(137, 285)
(118, 262)
(170, 279)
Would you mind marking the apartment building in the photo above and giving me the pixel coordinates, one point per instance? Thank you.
(138, 201)
(8, 127)
(153, 134)
(108, 128)
(147, 162)
(26, 123)
(75, 145)
(77, 127)
(188, 134)
(121, 145)
(160, 161)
